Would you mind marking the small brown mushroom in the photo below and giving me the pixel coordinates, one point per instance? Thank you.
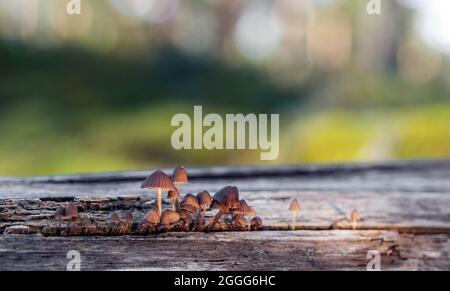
(186, 220)
(127, 220)
(88, 227)
(169, 218)
(239, 221)
(256, 223)
(245, 209)
(204, 200)
(294, 208)
(153, 216)
(191, 200)
(71, 211)
(355, 217)
(158, 181)
(114, 218)
(226, 200)
(86, 222)
(189, 208)
(179, 176)
(173, 196)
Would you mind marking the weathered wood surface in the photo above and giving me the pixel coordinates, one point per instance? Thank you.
(405, 209)
(261, 250)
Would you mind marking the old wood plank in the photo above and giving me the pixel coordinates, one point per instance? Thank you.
(264, 250)
(414, 213)
(409, 196)
(405, 207)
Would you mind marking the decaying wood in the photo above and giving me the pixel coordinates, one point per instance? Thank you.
(405, 209)
(259, 250)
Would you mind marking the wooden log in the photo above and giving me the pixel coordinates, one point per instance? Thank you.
(404, 208)
(263, 250)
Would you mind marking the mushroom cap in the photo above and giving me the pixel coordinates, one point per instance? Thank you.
(228, 197)
(190, 199)
(239, 219)
(169, 216)
(173, 194)
(355, 216)
(114, 218)
(128, 217)
(184, 213)
(204, 198)
(152, 216)
(87, 222)
(244, 208)
(71, 210)
(158, 179)
(216, 205)
(295, 206)
(256, 222)
(253, 212)
(179, 175)
(189, 208)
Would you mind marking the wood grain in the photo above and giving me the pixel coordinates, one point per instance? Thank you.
(405, 209)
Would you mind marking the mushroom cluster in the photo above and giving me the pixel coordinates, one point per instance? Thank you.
(189, 213)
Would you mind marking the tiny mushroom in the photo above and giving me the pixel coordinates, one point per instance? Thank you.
(239, 221)
(226, 200)
(60, 213)
(256, 223)
(71, 211)
(88, 227)
(114, 218)
(244, 209)
(127, 219)
(186, 219)
(191, 200)
(152, 216)
(173, 196)
(204, 200)
(355, 217)
(186, 214)
(179, 176)
(169, 218)
(158, 181)
(191, 210)
(190, 203)
(294, 208)
(86, 222)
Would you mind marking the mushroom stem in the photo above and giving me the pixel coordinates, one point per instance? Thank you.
(158, 192)
(215, 220)
(294, 214)
(199, 219)
(173, 204)
(354, 224)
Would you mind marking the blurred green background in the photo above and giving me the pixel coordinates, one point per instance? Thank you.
(97, 91)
